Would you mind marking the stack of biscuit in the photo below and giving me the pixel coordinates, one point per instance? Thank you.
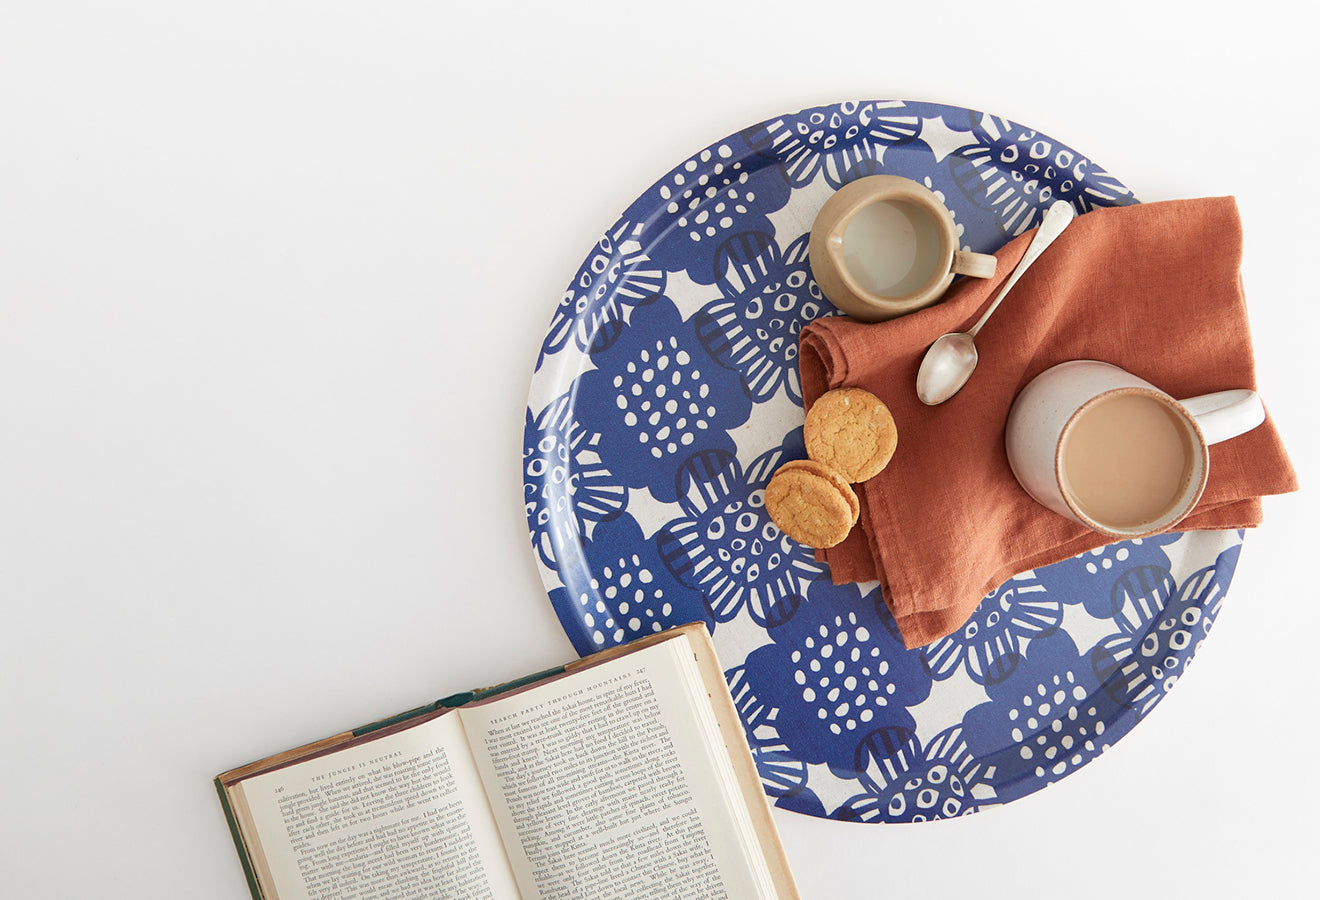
(850, 437)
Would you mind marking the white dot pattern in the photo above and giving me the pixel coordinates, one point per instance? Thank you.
(847, 702)
(665, 403)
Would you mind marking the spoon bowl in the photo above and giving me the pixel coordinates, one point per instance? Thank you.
(946, 367)
(951, 360)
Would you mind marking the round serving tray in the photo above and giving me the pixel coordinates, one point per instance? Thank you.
(665, 395)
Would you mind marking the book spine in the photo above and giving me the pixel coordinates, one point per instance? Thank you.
(456, 700)
(239, 845)
(401, 717)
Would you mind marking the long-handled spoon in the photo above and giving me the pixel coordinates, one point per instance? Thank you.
(950, 360)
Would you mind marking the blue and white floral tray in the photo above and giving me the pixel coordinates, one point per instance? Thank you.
(666, 394)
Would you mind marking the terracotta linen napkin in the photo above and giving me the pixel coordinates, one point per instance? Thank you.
(1153, 288)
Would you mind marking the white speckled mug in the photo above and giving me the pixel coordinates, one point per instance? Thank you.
(1113, 452)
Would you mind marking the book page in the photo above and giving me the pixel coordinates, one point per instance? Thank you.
(395, 818)
(604, 785)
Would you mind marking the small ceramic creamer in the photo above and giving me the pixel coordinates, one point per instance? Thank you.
(884, 245)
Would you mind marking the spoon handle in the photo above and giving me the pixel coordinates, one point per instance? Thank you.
(1056, 219)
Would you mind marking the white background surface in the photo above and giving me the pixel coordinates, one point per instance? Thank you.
(273, 277)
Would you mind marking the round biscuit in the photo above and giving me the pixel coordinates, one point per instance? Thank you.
(823, 471)
(852, 432)
(811, 504)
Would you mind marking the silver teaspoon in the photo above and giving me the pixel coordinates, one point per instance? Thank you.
(950, 360)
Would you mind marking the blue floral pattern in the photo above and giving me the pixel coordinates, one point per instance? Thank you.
(1160, 627)
(727, 547)
(723, 191)
(1017, 172)
(667, 393)
(989, 645)
(841, 142)
(565, 485)
(909, 783)
(1098, 571)
(769, 297)
(836, 672)
(622, 590)
(783, 774)
(657, 397)
(616, 276)
(1049, 718)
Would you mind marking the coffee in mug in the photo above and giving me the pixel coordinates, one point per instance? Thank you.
(1113, 452)
(1126, 459)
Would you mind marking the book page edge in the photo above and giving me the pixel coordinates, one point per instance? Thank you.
(744, 766)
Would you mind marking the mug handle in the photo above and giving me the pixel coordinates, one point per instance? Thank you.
(1226, 414)
(977, 265)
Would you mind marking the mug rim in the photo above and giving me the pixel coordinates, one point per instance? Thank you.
(902, 189)
(1188, 498)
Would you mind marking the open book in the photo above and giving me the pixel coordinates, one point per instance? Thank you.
(625, 774)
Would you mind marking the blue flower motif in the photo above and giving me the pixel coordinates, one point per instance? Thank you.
(721, 192)
(617, 274)
(845, 140)
(656, 397)
(909, 783)
(989, 646)
(954, 118)
(769, 297)
(1161, 626)
(1018, 173)
(621, 590)
(1090, 578)
(565, 485)
(726, 545)
(804, 802)
(782, 774)
(1049, 718)
(837, 672)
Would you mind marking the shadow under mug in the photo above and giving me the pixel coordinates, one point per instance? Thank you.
(884, 245)
(1112, 452)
